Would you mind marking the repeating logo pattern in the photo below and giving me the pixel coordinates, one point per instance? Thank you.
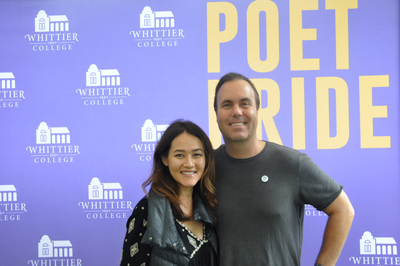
(10, 208)
(45, 23)
(51, 33)
(157, 29)
(160, 19)
(105, 84)
(55, 252)
(53, 145)
(9, 95)
(48, 248)
(370, 245)
(98, 190)
(105, 201)
(376, 251)
(103, 87)
(310, 211)
(150, 135)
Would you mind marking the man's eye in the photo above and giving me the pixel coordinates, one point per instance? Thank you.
(226, 105)
(245, 104)
(178, 155)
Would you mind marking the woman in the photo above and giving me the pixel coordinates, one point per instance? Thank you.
(173, 224)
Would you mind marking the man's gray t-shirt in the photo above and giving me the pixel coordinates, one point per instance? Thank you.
(261, 202)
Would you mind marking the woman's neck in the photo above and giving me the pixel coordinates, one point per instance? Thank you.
(186, 202)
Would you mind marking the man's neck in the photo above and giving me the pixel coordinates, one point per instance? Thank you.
(243, 150)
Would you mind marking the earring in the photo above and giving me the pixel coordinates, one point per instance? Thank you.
(166, 164)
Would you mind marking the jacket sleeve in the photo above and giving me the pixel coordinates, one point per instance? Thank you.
(133, 252)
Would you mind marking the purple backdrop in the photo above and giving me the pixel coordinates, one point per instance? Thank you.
(87, 87)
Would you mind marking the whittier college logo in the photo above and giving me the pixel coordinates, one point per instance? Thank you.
(150, 135)
(103, 87)
(10, 208)
(54, 145)
(310, 211)
(55, 252)
(377, 251)
(51, 33)
(157, 29)
(9, 96)
(105, 201)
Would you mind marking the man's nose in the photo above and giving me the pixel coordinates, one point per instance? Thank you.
(236, 110)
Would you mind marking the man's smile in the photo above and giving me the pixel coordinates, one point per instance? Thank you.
(237, 124)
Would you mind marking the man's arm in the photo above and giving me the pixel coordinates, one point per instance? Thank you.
(341, 215)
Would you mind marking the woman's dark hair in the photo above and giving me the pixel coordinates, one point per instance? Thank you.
(165, 185)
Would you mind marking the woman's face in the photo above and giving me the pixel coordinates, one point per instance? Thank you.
(186, 160)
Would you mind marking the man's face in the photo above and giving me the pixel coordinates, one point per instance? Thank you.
(237, 114)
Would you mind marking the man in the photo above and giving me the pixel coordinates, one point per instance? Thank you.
(262, 188)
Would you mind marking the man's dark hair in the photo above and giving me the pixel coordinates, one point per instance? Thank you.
(231, 77)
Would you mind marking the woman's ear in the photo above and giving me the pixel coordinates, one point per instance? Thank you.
(164, 160)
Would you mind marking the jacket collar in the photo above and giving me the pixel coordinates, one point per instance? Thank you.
(200, 211)
(161, 230)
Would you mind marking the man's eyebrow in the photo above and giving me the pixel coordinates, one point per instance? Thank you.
(226, 101)
(241, 100)
(245, 99)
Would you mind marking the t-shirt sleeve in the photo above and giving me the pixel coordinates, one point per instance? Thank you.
(316, 187)
(133, 252)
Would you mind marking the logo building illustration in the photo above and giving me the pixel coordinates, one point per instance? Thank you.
(57, 248)
(370, 245)
(8, 193)
(45, 23)
(157, 19)
(49, 135)
(157, 29)
(151, 132)
(102, 77)
(7, 80)
(99, 191)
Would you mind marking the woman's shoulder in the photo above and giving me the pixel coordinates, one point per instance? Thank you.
(142, 203)
(140, 211)
(134, 252)
(141, 206)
